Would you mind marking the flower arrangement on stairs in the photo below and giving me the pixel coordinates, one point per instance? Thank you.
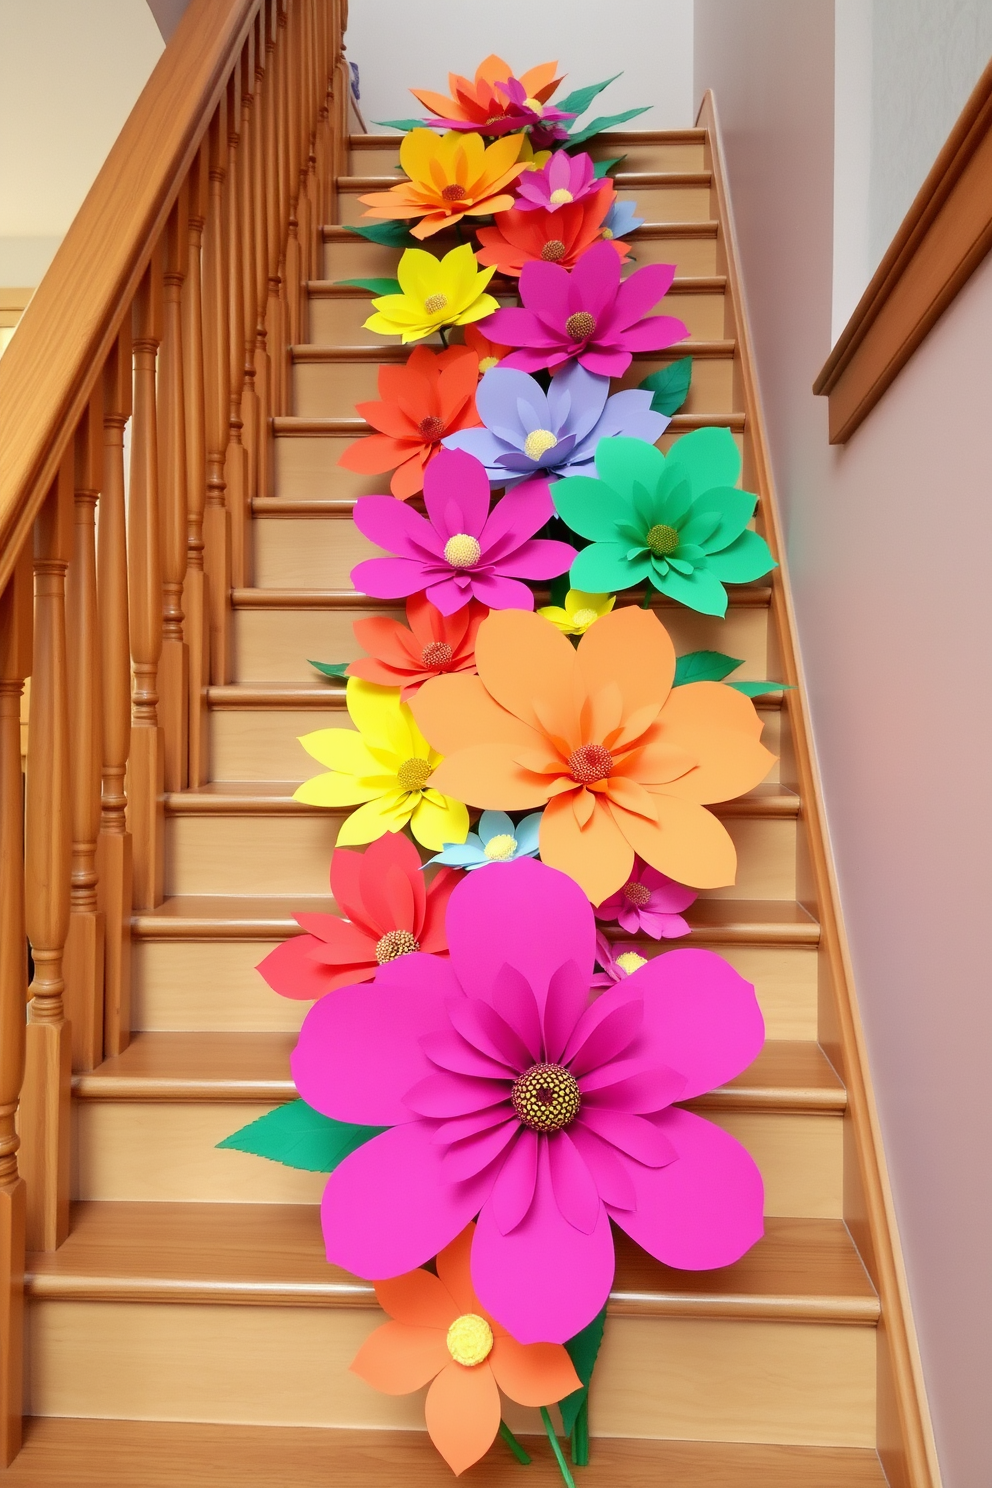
(488, 1105)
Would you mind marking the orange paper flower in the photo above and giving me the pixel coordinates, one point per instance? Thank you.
(624, 761)
(559, 237)
(432, 395)
(433, 645)
(480, 102)
(442, 1335)
(488, 352)
(450, 178)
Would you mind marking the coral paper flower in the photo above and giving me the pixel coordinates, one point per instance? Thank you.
(497, 841)
(579, 612)
(441, 1333)
(559, 237)
(676, 520)
(509, 1096)
(587, 314)
(624, 762)
(460, 551)
(449, 178)
(490, 353)
(432, 395)
(529, 432)
(486, 106)
(564, 179)
(389, 911)
(432, 645)
(383, 769)
(435, 293)
(649, 904)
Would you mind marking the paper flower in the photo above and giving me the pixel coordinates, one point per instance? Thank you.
(676, 521)
(383, 769)
(436, 293)
(460, 551)
(490, 353)
(497, 841)
(530, 432)
(508, 1096)
(621, 219)
(623, 761)
(450, 178)
(389, 911)
(559, 237)
(565, 179)
(614, 968)
(432, 395)
(581, 610)
(433, 644)
(492, 109)
(649, 904)
(441, 1334)
(587, 314)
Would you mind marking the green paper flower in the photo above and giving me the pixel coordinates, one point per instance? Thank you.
(676, 520)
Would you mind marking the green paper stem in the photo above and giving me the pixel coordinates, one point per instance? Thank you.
(580, 1436)
(444, 339)
(562, 1464)
(513, 1444)
(646, 601)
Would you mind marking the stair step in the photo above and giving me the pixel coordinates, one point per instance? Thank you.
(641, 150)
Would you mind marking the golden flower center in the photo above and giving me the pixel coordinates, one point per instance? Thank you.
(629, 961)
(534, 104)
(553, 251)
(538, 441)
(580, 325)
(453, 193)
(470, 1340)
(589, 763)
(486, 364)
(546, 1098)
(495, 118)
(584, 617)
(431, 428)
(636, 893)
(395, 943)
(560, 197)
(437, 655)
(500, 847)
(414, 773)
(662, 539)
(462, 551)
(606, 233)
(435, 303)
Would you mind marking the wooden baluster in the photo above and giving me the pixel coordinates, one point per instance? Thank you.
(273, 316)
(294, 263)
(312, 268)
(235, 473)
(146, 807)
(114, 861)
(260, 235)
(84, 948)
(325, 152)
(48, 856)
(15, 665)
(195, 604)
(173, 671)
(282, 207)
(217, 384)
(249, 307)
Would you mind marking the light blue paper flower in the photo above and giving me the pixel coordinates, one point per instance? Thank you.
(620, 220)
(496, 841)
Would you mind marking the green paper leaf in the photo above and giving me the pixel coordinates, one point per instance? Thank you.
(404, 124)
(704, 666)
(759, 689)
(580, 98)
(582, 1350)
(669, 385)
(331, 668)
(598, 125)
(299, 1137)
(602, 166)
(390, 234)
(377, 286)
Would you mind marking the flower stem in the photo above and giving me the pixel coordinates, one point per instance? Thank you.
(580, 1436)
(444, 339)
(646, 601)
(562, 1464)
(513, 1444)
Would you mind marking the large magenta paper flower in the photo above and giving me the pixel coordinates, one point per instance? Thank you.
(586, 314)
(462, 551)
(509, 1095)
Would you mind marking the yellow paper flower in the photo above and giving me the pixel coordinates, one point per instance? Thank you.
(532, 159)
(451, 177)
(581, 610)
(383, 769)
(436, 292)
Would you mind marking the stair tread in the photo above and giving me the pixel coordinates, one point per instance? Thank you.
(313, 351)
(605, 140)
(65, 1453)
(350, 599)
(332, 289)
(290, 426)
(622, 180)
(330, 695)
(336, 232)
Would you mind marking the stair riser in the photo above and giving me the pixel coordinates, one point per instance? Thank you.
(677, 203)
(695, 255)
(701, 1380)
(381, 160)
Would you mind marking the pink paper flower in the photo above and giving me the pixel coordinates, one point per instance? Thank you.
(614, 967)
(562, 179)
(508, 1096)
(586, 314)
(461, 551)
(649, 904)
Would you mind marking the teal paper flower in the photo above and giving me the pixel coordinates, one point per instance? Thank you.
(496, 841)
(677, 521)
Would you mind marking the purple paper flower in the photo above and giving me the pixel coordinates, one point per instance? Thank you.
(461, 551)
(649, 904)
(585, 314)
(563, 179)
(531, 432)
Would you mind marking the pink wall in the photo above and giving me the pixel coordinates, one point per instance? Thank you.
(890, 553)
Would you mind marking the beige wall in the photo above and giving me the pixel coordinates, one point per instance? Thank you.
(889, 541)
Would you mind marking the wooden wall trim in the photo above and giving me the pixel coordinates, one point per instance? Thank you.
(943, 238)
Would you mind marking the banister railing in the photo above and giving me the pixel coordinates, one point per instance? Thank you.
(171, 306)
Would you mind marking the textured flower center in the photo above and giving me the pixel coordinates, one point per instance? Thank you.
(501, 847)
(553, 250)
(495, 118)
(636, 893)
(413, 774)
(462, 551)
(437, 655)
(470, 1339)
(589, 763)
(546, 1098)
(435, 303)
(560, 197)
(607, 233)
(534, 105)
(486, 364)
(431, 428)
(453, 193)
(395, 943)
(580, 325)
(662, 539)
(584, 617)
(629, 961)
(538, 441)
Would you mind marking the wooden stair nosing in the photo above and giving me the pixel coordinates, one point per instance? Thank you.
(337, 232)
(623, 181)
(332, 289)
(290, 427)
(239, 697)
(605, 140)
(307, 353)
(742, 595)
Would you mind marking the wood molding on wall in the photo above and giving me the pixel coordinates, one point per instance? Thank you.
(943, 238)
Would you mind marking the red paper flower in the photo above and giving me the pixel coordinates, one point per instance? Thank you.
(488, 352)
(390, 912)
(433, 644)
(432, 395)
(559, 237)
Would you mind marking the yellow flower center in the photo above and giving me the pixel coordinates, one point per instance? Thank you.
(582, 618)
(629, 961)
(462, 551)
(534, 104)
(662, 539)
(501, 847)
(413, 774)
(487, 363)
(395, 943)
(580, 325)
(606, 233)
(435, 303)
(538, 441)
(453, 193)
(553, 250)
(560, 197)
(470, 1340)
(589, 763)
(546, 1098)
(636, 893)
